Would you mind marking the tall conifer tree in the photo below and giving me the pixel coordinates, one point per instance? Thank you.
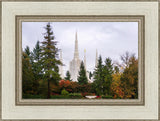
(99, 77)
(68, 76)
(82, 78)
(37, 67)
(108, 71)
(49, 58)
(27, 74)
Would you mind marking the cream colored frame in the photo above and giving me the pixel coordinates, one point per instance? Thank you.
(20, 19)
(147, 111)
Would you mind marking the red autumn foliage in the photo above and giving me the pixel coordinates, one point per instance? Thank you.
(64, 83)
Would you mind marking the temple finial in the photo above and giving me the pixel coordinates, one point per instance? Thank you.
(76, 54)
(61, 66)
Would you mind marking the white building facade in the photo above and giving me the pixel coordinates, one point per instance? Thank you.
(74, 65)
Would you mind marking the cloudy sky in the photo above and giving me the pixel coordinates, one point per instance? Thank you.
(111, 39)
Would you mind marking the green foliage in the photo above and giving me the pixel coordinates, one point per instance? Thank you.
(82, 78)
(116, 69)
(75, 95)
(27, 75)
(60, 97)
(42, 90)
(108, 71)
(49, 58)
(99, 77)
(129, 79)
(31, 96)
(90, 75)
(36, 64)
(68, 76)
(27, 51)
(107, 97)
(41, 80)
(103, 77)
(64, 92)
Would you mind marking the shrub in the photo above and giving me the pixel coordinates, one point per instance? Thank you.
(59, 96)
(75, 95)
(64, 83)
(64, 92)
(87, 94)
(107, 97)
(55, 89)
(30, 96)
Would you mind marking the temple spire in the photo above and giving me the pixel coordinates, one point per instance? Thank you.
(61, 66)
(76, 54)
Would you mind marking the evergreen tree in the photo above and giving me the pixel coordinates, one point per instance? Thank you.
(68, 76)
(116, 69)
(36, 52)
(49, 58)
(108, 71)
(99, 77)
(37, 67)
(82, 78)
(27, 51)
(27, 75)
(90, 75)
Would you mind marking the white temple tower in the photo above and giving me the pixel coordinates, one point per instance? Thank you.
(74, 65)
(85, 65)
(61, 66)
(96, 62)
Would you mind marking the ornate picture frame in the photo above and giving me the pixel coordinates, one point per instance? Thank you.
(10, 56)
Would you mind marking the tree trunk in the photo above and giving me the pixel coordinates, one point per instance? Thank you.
(49, 94)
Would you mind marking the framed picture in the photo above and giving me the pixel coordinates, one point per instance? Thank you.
(80, 60)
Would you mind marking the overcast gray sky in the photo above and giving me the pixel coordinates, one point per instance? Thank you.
(111, 39)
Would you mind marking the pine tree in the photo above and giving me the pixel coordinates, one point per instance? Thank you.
(36, 52)
(90, 75)
(82, 78)
(49, 58)
(68, 76)
(27, 51)
(27, 74)
(37, 67)
(99, 77)
(108, 71)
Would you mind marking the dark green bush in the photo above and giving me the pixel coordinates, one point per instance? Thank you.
(59, 96)
(107, 97)
(29, 96)
(75, 95)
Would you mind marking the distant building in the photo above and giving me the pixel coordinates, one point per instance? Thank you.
(61, 66)
(74, 65)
